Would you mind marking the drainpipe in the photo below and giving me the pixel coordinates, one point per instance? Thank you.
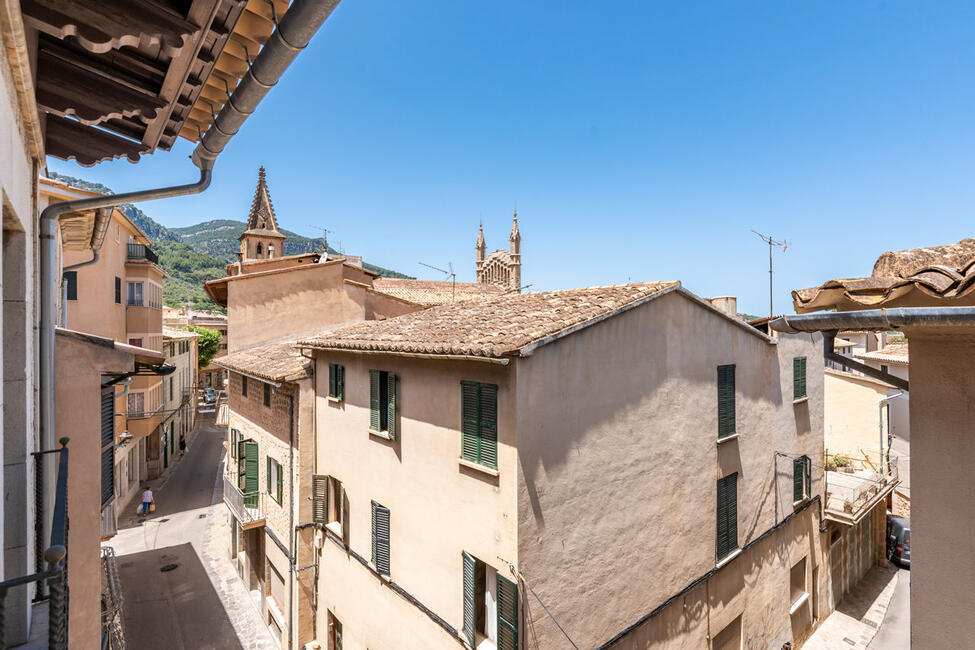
(293, 541)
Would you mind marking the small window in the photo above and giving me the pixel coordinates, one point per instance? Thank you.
(799, 378)
(382, 402)
(260, 249)
(797, 585)
(726, 401)
(727, 540)
(243, 385)
(133, 294)
(729, 638)
(117, 233)
(118, 291)
(490, 605)
(171, 389)
(336, 381)
(267, 394)
(801, 478)
(275, 481)
(135, 404)
(328, 503)
(883, 368)
(234, 439)
(71, 285)
(380, 538)
(137, 342)
(479, 423)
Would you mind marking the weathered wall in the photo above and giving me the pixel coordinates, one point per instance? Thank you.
(438, 508)
(853, 415)
(619, 460)
(78, 416)
(942, 493)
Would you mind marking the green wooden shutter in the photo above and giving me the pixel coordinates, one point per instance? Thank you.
(241, 465)
(798, 475)
(267, 479)
(726, 400)
(251, 484)
(391, 381)
(280, 483)
(374, 400)
(469, 596)
(319, 498)
(507, 614)
(380, 538)
(340, 380)
(798, 377)
(488, 425)
(331, 380)
(808, 474)
(469, 420)
(727, 515)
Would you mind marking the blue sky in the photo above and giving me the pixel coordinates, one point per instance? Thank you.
(639, 140)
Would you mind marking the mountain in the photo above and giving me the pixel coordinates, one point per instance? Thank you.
(192, 254)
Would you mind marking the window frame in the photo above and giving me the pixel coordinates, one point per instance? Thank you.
(274, 481)
(267, 394)
(480, 455)
(731, 524)
(336, 382)
(71, 285)
(243, 385)
(383, 403)
(118, 290)
(800, 390)
(727, 399)
(801, 479)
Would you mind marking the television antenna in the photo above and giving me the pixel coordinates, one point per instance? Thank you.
(325, 232)
(784, 245)
(450, 274)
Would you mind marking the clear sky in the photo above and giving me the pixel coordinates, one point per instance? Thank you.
(640, 140)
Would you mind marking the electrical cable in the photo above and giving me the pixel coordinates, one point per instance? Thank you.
(517, 573)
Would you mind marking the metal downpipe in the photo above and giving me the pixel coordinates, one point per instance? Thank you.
(50, 281)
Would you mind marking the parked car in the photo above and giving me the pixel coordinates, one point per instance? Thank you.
(899, 539)
(209, 396)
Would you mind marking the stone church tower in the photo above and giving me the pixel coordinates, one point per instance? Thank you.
(262, 240)
(501, 268)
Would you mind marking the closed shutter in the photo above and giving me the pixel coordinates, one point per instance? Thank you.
(118, 291)
(488, 426)
(280, 486)
(469, 421)
(469, 603)
(798, 377)
(267, 480)
(507, 614)
(319, 498)
(241, 465)
(108, 445)
(251, 471)
(808, 474)
(798, 476)
(340, 381)
(391, 381)
(380, 538)
(727, 538)
(726, 400)
(374, 400)
(332, 381)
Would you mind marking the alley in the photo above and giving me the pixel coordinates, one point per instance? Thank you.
(895, 631)
(179, 589)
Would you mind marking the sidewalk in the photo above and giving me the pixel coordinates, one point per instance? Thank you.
(857, 619)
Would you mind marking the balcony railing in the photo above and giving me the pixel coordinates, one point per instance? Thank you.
(113, 637)
(854, 487)
(142, 252)
(246, 506)
(55, 576)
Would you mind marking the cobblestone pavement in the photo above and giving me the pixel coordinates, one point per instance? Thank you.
(202, 603)
(856, 621)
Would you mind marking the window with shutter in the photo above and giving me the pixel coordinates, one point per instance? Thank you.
(479, 423)
(380, 538)
(798, 478)
(798, 378)
(469, 598)
(243, 385)
(507, 614)
(382, 402)
(108, 445)
(267, 394)
(727, 515)
(808, 475)
(251, 470)
(374, 382)
(118, 291)
(391, 405)
(726, 401)
(336, 381)
(319, 498)
(71, 285)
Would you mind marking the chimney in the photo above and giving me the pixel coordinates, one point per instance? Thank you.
(240, 263)
(727, 304)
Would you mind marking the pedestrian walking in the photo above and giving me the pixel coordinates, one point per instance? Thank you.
(182, 445)
(148, 503)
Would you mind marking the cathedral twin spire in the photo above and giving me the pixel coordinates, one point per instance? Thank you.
(502, 268)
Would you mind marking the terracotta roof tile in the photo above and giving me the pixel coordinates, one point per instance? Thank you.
(433, 292)
(490, 327)
(945, 273)
(890, 353)
(278, 361)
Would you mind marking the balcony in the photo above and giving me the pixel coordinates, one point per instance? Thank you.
(142, 252)
(245, 506)
(855, 485)
(52, 581)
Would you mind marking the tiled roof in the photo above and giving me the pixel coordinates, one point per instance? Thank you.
(490, 327)
(890, 353)
(278, 361)
(176, 333)
(935, 275)
(433, 292)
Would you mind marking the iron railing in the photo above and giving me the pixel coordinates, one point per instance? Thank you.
(55, 576)
(113, 637)
(245, 506)
(142, 252)
(855, 485)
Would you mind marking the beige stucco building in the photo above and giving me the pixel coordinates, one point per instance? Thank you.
(644, 464)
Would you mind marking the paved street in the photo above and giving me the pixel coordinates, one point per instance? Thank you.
(895, 631)
(179, 588)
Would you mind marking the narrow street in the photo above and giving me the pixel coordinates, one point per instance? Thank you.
(895, 631)
(179, 588)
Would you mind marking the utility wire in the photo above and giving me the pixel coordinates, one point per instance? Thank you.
(515, 571)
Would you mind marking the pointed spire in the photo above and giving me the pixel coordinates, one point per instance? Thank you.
(480, 235)
(515, 233)
(262, 210)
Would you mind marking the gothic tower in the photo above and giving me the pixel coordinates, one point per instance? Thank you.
(262, 240)
(500, 268)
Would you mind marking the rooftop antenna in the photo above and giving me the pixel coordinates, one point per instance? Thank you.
(450, 274)
(325, 233)
(784, 244)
